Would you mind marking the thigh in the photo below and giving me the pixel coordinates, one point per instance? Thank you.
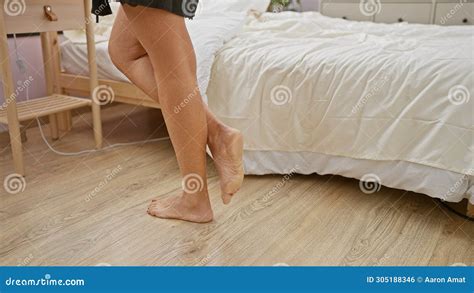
(165, 38)
(123, 41)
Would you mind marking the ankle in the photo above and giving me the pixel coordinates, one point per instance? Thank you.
(198, 199)
(221, 132)
(214, 129)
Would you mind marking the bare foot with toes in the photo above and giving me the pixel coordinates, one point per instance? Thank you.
(194, 208)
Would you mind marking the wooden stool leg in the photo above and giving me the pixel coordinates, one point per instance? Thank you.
(53, 126)
(97, 121)
(15, 140)
(94, 79)
(65, 121)
(52, 69)
(68, 120)
(10, 100)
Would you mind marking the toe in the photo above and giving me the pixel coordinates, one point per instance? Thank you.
(152, 207)
(226, 198)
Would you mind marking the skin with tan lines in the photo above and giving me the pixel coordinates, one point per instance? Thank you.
(153, 49)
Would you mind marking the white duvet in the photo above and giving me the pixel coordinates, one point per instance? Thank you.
(308, 83)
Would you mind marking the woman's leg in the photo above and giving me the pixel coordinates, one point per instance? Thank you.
(226, 143)
(130, 57)
(169, 56)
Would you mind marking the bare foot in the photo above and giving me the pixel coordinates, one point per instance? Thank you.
(227, 146)
(194, 208)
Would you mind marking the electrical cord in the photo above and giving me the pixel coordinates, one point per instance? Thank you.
(22, 68)
(85, 152)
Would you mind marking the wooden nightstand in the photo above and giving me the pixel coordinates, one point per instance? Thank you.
(46, 17)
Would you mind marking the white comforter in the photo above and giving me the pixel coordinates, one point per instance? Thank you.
(305, 82)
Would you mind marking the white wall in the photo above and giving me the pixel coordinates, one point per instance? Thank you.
(310, 4)
(29, 49)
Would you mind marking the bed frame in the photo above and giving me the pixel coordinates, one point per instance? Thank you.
(124, 92)
(130, 94)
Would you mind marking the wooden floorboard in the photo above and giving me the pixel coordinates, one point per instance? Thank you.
(297, 220)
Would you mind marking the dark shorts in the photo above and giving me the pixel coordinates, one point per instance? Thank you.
(185, 8)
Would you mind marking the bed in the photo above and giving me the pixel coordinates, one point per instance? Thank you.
(385, 104)
(352, 98)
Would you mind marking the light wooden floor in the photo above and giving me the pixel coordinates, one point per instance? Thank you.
(310, 220)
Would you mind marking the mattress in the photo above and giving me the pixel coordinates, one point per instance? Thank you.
(74, 60)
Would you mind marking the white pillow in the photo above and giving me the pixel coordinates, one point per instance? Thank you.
(219, 6)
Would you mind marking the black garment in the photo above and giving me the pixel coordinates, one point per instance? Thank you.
(101, 8)
(185, 8)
